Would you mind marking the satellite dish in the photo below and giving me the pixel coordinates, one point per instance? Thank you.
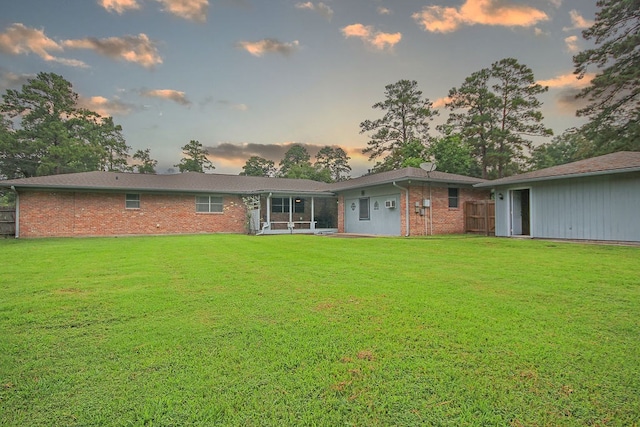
(428, 166)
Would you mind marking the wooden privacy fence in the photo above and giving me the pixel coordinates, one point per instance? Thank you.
(7, 222)
(480, 217)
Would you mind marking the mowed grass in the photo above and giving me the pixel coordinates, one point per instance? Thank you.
(302, 330)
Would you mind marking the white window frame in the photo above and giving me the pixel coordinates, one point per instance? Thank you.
(132, 201)
(209, 204)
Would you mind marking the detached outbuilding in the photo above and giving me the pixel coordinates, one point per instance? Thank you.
(592, 199)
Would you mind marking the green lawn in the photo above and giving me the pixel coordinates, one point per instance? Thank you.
(302, 330)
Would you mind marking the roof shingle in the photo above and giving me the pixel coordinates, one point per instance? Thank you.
(226, 184)
(402, 175)
(622, 161)
(183, 182)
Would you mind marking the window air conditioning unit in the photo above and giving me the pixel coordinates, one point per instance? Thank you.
(390, 204)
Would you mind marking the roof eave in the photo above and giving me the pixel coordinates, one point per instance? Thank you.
(557, 177)
(163, 190)
(119, 189)
(405, 179)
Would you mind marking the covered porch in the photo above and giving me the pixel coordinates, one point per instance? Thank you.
(297, 214)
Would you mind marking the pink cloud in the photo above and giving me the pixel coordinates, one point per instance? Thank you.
(320, 8)
(22, 40)
(105, 107)
(566, 87)
(578, 21)
(572, 44)
(169, 94)
(371, 37)
(193, 10)
(441, 102)
(137, 49)
(263, 46)
(119, 6)
(567, 80)
(443, 19)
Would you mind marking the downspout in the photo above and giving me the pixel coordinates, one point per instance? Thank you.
(406, 207)
(430, 210)
(17, 233)
(290, 225)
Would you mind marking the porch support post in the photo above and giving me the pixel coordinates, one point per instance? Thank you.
(269, 210)
(313, 223)
(290, 210)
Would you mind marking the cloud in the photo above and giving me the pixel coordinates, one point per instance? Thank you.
(376, 39)
(578, 21)
(441, 102)
(320, 8)
(233, 106)
(119, 6)
(261, 47)
(556, 3)
(137, 49)
(442, 19)
(21, 40)
(572, 44)
(567, 80)
(169, 94)
(11, 80)
(193, 10)
(567, 102)
(275, 152)
(539, 32)
(568, 86)
(383, 10)
(106, 107)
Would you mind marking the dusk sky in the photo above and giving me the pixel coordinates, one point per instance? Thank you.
(252, 77)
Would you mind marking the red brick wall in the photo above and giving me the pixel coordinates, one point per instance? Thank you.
(49, 214)
(341, 213)
(446, 220)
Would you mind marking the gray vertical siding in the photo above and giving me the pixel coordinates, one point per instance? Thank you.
(603, 207)
(382, 221)
(502, 213)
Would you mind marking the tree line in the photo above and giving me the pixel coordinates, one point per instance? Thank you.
(44, 131)
(495, 111)
(493, 114)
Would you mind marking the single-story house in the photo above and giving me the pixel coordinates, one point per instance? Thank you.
(592, 199)
(405, 202)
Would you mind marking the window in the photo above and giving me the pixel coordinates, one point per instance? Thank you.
(364, 209)
(453, 197)
(132, 201)
(279, 205)
(209, 204)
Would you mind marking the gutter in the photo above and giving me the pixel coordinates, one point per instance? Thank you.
(406, 206)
